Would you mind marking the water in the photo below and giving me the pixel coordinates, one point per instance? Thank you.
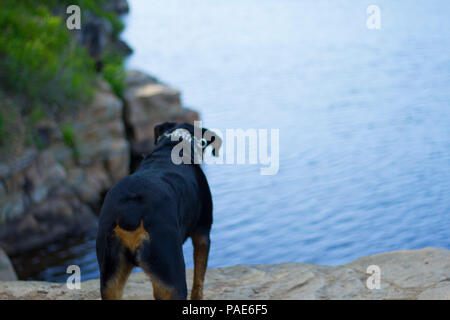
(364, 119)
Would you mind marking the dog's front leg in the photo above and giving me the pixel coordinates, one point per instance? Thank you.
(201, 251)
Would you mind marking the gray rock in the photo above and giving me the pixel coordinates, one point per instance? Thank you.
(7, 272)
(147, 103)
(62, 214)
(99, 129)
(415, 274)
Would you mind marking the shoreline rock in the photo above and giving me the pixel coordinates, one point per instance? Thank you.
(7, 272)
(53, 190)
(148, 102)
(49, 194)
(412, 274)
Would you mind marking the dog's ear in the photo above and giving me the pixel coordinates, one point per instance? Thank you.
(211, 137)
(161, 128)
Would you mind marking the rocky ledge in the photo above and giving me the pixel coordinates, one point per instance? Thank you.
(415, 274)
(49, 194)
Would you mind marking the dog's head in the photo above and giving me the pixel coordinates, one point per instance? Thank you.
(208, 137)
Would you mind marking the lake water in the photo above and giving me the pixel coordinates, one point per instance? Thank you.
(363, 116)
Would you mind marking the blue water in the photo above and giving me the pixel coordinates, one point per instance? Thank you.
(364, 120)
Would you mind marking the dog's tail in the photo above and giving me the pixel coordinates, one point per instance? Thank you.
(129, 222)
(129, 211)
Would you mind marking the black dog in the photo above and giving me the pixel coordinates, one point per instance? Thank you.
(147, 216)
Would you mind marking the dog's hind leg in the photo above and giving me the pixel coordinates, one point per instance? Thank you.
(162, 260)
(115, 267)
(112, 284)
(201, 243)
(161, 291)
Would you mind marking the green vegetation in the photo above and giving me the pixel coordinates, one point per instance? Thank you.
(43, 70)
(114, 72)
(68, 133)
(40, 62)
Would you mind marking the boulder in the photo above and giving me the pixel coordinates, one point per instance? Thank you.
(118, 6)
(60, 215)
(414, 274)
(100, 132)
(52, 193)
(102, 148)
(7, 272)
(147, 103)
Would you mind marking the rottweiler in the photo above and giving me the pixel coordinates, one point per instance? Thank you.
(148, 215)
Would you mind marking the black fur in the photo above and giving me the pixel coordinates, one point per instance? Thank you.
(173, 201)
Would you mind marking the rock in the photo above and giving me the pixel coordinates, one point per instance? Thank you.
(118, 6)
(147, 103)
(14, 130)
(7, 272)
(37, 204)
(99, 129)
(24, 180)
(60, 215)
(415, 274)
(99, 34)
(102, 147)
(83, 172)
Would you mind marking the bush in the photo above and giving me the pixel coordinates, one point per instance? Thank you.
(40, 62)
(42, 67)
(68, 134)
(114, 72)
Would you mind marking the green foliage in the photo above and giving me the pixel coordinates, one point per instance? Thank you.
(114, 72)
(41, 62)
(68, 134)
(43, 69)
(39, 59)
(36, 114)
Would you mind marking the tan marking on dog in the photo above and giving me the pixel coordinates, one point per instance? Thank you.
(132, 239)
(160, 290)
(201, 251)
(114, 286)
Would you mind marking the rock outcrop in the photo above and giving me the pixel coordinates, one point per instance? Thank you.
(53, 186)
(148, 102)
(50, 193)
(98, 34)
(415, 274)
(57, 191)
(7, 272)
